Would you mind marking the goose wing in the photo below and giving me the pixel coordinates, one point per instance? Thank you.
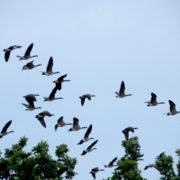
(61, 77)
(89, 147)
(50, 65)
(60, 121)
(82, 100)
(4, 129)
(28, 50)
(153, 98)
(112, 162)
(172, 106)
(30, 100)
(88, 131)
(76, 122)
(6, 56)
(41, 120)
(53, 92)
(122, 88)
(46, 113)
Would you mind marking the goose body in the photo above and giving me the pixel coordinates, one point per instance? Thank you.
(89, 148)
(172, 108)
(76, 126)
(94, 171)
(86, 136)
(30, 65)
(27, 53)
(84, 97)
(41, 116)
(49, 68)
(153, 101)
(4, 129)
(127, 130)
(60, 80)
(121, 92)
(111, 164)
(52, 95)
(61, 123)
(8, 51)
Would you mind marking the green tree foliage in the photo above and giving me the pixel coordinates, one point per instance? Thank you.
(18, 164)
(127, 166)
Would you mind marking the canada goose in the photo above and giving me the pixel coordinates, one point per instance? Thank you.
(172, 109)
(30, 65)
(121, 92)
(153, 101)
(4, 129)
(49, 68)
(52, 95)
(111, 164)
(27, 53)
(30, 98)
(41, 116)
(85, 96)
(94, 171)
(8, 51)
(86, 136)
(60, 80)
(150, 166)
(126, 132)
(61, 123)
(76, 126)
(89, 148)
(160, 155)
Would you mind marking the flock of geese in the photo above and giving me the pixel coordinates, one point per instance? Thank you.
(31, 99)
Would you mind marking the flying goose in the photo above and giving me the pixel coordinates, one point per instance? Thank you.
(121, 92)
(4, 129)
(150, 166)
(41, 116)
(76, 126)
(153, 101)
(111, 164)
(27, 53)
(126, 132)
(30, 98)
(8, 51)
(94, 171)
(30, 65)
(61, 123)
(49, 68)
(60, 80)
(52, 95)
(89, 148)
(172, 109)
(86, 136)
(85, 96)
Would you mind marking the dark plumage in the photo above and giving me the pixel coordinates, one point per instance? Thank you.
(60, 80)
(85, 96)
(52, 95)
(8, 51)
(61, 123)
(111, 164)
(4, 129)
(76, 126)
(94, 171)
(121, 92)
(153, 101)
(30, 65)
(89, 148)
(127, 130)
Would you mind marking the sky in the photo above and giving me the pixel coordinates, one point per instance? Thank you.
(99, 44)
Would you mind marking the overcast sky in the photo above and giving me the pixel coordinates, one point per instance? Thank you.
(98, 43)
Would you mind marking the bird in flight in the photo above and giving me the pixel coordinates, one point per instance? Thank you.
(27, 53)
(60, 80)
(121, 92)
(172, 109)
(41, 116)
(4, 129)
(85, 96)
(76, 126)
(153, 101)
(8, 51)
(30, 65)
(49, 68)
(89, 148)
(86, 136)
(61, 123)
(127, 130)
(94, 171)
(111, 164)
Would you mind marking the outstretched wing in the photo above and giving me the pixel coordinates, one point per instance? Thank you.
(122, 88)
(28, 51)
(82, 100)
(89, 147)
(172, 106)
(153, 98)
(50, 65)
(112, 162)
(6, 55)
(41, 120)
(88, 131)
(53, 92)
(4, 129)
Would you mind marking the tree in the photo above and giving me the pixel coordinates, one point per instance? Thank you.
(127, 166)
(37, 164)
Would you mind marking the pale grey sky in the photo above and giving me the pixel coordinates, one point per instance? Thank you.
(98, 44)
